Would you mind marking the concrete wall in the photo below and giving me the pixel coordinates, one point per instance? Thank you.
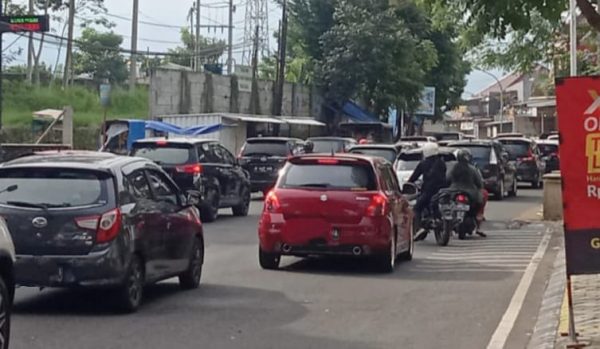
(175, 92)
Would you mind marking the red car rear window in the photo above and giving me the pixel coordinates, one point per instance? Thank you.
(340, 176)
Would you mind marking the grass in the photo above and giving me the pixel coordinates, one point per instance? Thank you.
(20, 101)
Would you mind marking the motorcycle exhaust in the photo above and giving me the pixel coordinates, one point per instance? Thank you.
(357, 251)
(286, 248)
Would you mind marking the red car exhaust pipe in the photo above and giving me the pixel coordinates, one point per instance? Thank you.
(286, 248)
(357, 251)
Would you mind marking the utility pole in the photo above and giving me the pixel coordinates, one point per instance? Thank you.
(134, 39)
(30, 49)
(254, 94)
(69, 59)
(282, 58)
(197, 48)
(230, 40)
(191, 17)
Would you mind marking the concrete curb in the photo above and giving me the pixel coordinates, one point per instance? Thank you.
(544, 333)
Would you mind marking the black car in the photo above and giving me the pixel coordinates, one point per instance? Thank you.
(263, 157)
(386, 151)
(202, 166)
(549, 151)
(85, 219)
(525, 155)
(331, 144)
(499, 174)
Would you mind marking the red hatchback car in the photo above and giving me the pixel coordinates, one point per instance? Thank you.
(336, 205)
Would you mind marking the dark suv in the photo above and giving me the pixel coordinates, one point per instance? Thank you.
(526, 156)
(499, 174)
(204, 167)
(99, 220)
(263, 157)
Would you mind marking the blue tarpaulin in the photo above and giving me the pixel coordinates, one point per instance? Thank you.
(202, 130)
(164, 127)
(357, 113)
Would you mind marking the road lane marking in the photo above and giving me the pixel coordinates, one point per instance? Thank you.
(509, 318)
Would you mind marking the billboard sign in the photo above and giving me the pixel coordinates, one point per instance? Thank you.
(578, 106)
(20, 24)
(427, 106)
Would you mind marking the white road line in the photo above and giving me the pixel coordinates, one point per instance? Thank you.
(509, 318)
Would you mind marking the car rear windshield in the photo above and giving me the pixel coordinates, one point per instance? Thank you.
(168, 154)
(266, 148)
(388, 154)
(516, 149)
(327, 146)
(481, 155)
(335, 176)
(53, 187)
(548, 149)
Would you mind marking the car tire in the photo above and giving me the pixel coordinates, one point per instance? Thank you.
(499, 194)
(130, 294)
(515, 188)
(243, 208)
(536, 183)
(210, 212)
(408, 255)
(267, 260)
(386, 262)
(5, 311)
(190, 279)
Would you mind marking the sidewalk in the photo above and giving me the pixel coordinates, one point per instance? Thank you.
(552, 327)
(586, 301)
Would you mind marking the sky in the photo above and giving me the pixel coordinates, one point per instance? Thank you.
(172, 14)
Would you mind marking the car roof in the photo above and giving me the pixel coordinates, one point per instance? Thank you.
(85, 160)
(272, 139)
(515, 139)
(175, 140)
(474, 142)
(345, 156)
(343, 139)
(376, 146)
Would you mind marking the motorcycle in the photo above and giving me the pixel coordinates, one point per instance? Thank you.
(455, 214)
(448, 213)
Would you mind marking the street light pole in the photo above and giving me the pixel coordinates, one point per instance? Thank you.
(501, 94)
(573, 36)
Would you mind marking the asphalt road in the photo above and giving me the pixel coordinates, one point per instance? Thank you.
(451, 297)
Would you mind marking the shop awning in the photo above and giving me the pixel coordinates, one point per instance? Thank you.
(302, 121)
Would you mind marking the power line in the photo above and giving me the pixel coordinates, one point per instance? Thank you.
(169, 26)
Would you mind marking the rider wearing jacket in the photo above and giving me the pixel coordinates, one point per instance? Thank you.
(433, 170)
(466, 178)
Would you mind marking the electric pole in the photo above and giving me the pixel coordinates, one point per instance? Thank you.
(30, 49)
(254, 98)
(282, 57)
(134, 39)
(69, 59)
(230, 39)
(197, 48)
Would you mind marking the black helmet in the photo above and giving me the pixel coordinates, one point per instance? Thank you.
(463, 155)
(309, 146)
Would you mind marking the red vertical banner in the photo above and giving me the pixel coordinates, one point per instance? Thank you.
(578, 107)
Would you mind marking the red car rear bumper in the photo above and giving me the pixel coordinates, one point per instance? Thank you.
(318, 236)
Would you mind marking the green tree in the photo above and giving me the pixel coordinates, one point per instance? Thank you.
(98, 54)
(210, 51)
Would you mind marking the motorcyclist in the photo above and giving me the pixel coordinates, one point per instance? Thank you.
(466, 178)
(309, 147)
(433, 170)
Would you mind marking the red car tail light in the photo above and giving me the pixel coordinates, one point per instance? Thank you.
(272, 203)
(107, 226)
(378, 206)
(328, 161)
(192, 216)
(190, 169)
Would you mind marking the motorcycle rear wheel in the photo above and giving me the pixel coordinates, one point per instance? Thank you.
(442, 236)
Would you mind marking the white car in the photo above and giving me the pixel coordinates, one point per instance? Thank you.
(7, 283)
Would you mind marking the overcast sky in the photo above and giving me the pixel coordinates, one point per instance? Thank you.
(172, 14)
